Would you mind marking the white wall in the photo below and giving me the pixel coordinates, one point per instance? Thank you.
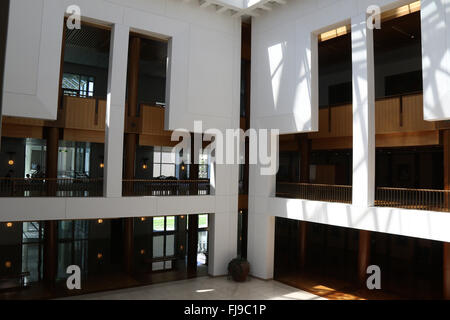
(203, 83)
(285, 96)
(435, 16)
(204, 47)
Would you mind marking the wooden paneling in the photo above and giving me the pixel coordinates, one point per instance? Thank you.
(332, 143)
(413, 114)
(22, 131)
(323, 125)
(243, 202)
(400, 139)
(387, 115)
(80, 113)
(156, 140)
(152, 121)
(84, 135)
(341, 121)
(23, 121)
(408, 139)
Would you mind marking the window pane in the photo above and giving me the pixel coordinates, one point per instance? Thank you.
(168, 156)
(71, 81)
(168, 170)
(170, 223)
(158, 246)
(170, 245)
(156, 170)
(157, 155)
(203, 221)
(168, 264)
(157, 266)
(203, 171)
(65, 230)
(158, 224)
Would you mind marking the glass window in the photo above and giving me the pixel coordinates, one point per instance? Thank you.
(203, 221)
(158, 246)
(170, 223)
(158, 224)
(163, 162)
(170, 245)
(78, 85)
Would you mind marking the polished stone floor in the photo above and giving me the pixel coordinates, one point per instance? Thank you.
(207, 288)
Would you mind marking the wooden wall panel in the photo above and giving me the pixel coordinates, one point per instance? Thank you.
(22, 131)
(408, 139)
(156, 140)
(342, 121)
(80, 113)
(413, 114)
(84, 135)
(152, 121)
(323, 125)
(23, 121)
(387, 115)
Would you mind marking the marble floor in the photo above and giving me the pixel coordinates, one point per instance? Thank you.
(207, 288)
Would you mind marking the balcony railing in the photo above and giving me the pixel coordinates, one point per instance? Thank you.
(141, 188)
(418, 199)
(44, 187)
(315, 192)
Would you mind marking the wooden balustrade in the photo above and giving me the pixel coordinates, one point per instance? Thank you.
(39, 187)
(405, 198)
(156, 187)
(315, 192)
(418, 199)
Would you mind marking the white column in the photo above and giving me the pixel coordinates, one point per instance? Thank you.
(4, 17)
(363, 113)
(261, 223)
(222, 242)
(115, 110)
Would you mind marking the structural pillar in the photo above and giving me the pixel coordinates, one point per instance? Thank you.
(50, 263)
(302, 238)
(4, 17)
(363, 256)
(446, 147)
(131, 136)
(51, 170)
(128, 244)
(115, 111)
(192, 245)
(193, 167)
(446, 269)
(363, 112)
(305, 154)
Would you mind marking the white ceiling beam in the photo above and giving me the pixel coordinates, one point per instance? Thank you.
(204, 3)
(265, 7)
(221, 10)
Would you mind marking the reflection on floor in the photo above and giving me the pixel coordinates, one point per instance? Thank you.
(207, 288)
(99, 283)
(333, 289)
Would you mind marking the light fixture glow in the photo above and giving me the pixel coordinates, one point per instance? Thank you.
(11, 162)
(9, 224)
(100, 221)
(8, 264)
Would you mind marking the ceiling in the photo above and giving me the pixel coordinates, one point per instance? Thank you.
(240, 7)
